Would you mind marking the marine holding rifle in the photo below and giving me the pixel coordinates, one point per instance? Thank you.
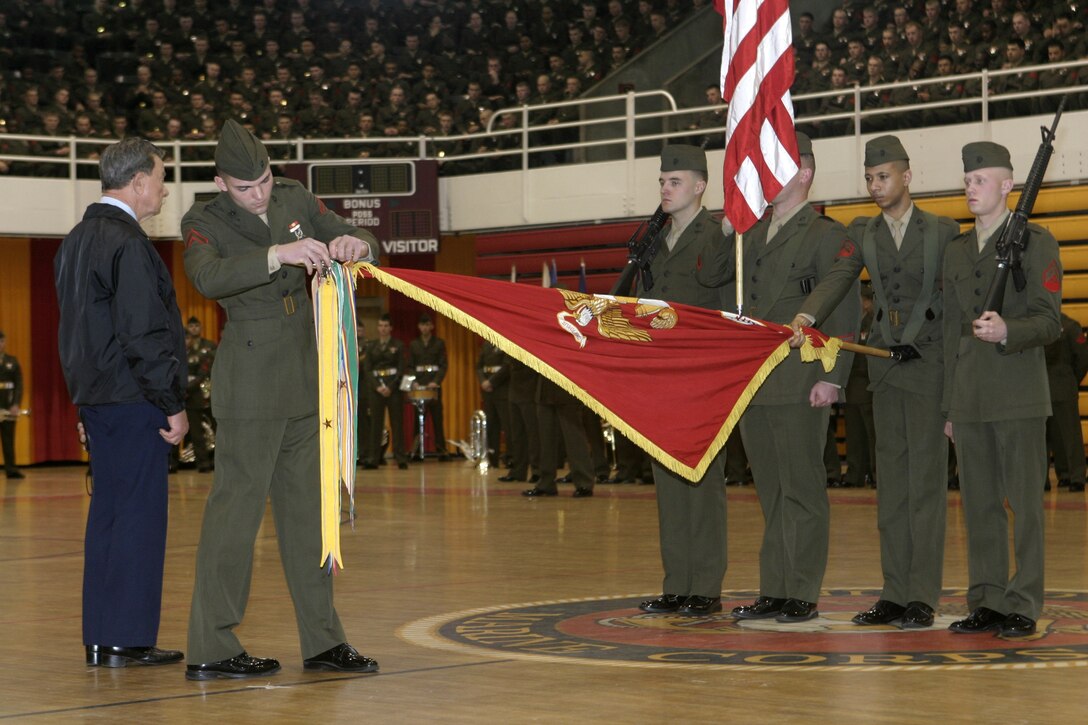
(902, 248)
(996, 396)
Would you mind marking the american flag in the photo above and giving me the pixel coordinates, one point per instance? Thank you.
(757, 71)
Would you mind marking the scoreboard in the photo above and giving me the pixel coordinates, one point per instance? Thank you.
(397, 201)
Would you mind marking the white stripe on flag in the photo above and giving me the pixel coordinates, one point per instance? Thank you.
(750, 187)
(775, 154)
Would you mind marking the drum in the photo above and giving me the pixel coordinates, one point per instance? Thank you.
(423, 394)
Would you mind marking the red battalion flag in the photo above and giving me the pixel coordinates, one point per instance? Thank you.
(672, 378)
(756, 74)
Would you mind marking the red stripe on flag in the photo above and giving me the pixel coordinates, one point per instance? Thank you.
(767, 107)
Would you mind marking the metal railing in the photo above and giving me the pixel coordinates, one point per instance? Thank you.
(534, 144)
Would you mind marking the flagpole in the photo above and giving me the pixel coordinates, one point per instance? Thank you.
(738, 253)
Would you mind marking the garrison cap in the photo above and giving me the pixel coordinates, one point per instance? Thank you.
(193, 320)
(683, 157)
(884, 149)
(985, 155)
(240, 154)
(804, 144)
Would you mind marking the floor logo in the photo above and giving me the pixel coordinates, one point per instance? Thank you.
(613, 631)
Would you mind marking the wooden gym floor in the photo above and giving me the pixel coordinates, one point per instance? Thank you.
(484, 606)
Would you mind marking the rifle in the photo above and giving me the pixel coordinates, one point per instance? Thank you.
(1013, 239)
(641, 250)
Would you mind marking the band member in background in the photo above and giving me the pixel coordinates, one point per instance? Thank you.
(427, 361)
(11, 397)
(493, 374)
(198, 395)
(381, 376)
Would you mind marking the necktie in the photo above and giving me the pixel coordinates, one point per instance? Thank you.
(897, 232)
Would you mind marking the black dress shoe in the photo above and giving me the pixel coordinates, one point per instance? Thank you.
(1017, 625)
(535, 478)
(663, 604)
(919, 615)
(99, 656)
(443, 457)
(762, 608)
(15, 474)
(370, 466)
(618, 479)
(402, 466)
(602, 478)
(1076, 488)
(1063, 483)
(883, 612)
(341, 658)
(797, 610)
(698, 606)
(583, 492)
(981, 620)
(509, 479)
(565, 479)
(536, 492)
(235, 668)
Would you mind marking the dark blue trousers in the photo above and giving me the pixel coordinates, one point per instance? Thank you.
(125, 542)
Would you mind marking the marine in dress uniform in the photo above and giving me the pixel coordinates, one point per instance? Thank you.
(493, 374)
(997, 399)
(427, 361)
(858, 409)
(198, 399)
(251, 247)
(381, 376)
(693, 262)
(784, 428)
(560, 414)
(11, 397)
(1066, 364)
(524, 441)
(902, 249)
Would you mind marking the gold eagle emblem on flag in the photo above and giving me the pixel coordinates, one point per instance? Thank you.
(607, 310)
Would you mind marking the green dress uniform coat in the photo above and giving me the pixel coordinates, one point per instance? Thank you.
(265, 402)
(998, 399)
(783, 434)
(691, 517)
(911, 448)
(427, 361)
(384, 366)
